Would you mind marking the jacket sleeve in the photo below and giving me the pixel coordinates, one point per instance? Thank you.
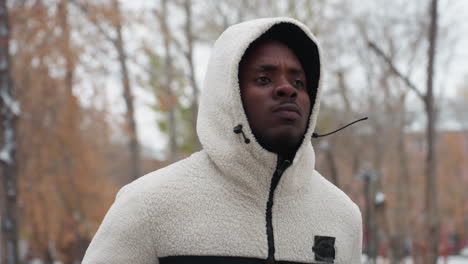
(125, 234)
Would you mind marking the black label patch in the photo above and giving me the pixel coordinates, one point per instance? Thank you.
(324, 249)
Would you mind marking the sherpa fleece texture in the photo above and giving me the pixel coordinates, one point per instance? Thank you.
(213, 203)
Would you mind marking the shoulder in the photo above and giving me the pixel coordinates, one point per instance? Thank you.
(165, 187)
(336, 199)
(173, 174)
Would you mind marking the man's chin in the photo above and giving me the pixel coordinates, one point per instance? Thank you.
(285, 143)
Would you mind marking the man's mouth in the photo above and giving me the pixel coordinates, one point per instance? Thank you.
(288, 111)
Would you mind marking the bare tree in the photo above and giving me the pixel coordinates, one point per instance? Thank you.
(431, 215)
(163, 15)
(9, 110)
(116, 22)
(188, 54)
(432, 219)
(128, 95)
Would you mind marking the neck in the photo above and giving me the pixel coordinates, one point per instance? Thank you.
(284, 149)
(286, 153)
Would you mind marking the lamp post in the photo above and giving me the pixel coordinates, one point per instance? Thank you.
(370, 202)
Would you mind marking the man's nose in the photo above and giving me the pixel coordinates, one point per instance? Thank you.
(285, 89)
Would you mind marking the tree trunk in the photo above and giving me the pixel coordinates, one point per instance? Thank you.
(72, 125)
(189, 56)
(333, 167)
(403, 200)
(168, 82)
(67, 50)
(376, 185)
(9, 109)
(369, 219)
(128, 96)
(432, 220)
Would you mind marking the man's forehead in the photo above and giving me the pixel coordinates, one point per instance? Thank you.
(269, 53)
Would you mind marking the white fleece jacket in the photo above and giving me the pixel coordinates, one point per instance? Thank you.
(211, 206)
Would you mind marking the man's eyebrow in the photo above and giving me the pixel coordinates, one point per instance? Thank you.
(296, 71)
(266, 67)
(272, 67)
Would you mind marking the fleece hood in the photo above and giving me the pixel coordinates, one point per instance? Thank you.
(221, 109)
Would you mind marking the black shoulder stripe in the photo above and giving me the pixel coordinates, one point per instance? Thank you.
(216, 260)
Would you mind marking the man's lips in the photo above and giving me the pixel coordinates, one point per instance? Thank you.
(287, 111)
(288, 107)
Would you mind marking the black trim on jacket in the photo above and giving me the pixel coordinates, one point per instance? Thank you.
(216, 260)
(281, 166)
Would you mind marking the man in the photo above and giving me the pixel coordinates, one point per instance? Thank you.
(252, 194)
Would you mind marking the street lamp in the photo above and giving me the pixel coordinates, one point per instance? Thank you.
(370, 202)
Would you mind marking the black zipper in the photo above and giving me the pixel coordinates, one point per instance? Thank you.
(281, 166)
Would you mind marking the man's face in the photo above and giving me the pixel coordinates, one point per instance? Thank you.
(275, 98)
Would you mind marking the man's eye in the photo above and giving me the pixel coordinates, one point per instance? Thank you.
(299, 83)
(263, 80)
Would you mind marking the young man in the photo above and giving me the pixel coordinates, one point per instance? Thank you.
(252, 194)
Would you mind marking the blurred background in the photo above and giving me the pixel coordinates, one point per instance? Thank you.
(95, 93)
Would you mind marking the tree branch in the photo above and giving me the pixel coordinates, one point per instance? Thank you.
(98, 26)
(392, 66)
